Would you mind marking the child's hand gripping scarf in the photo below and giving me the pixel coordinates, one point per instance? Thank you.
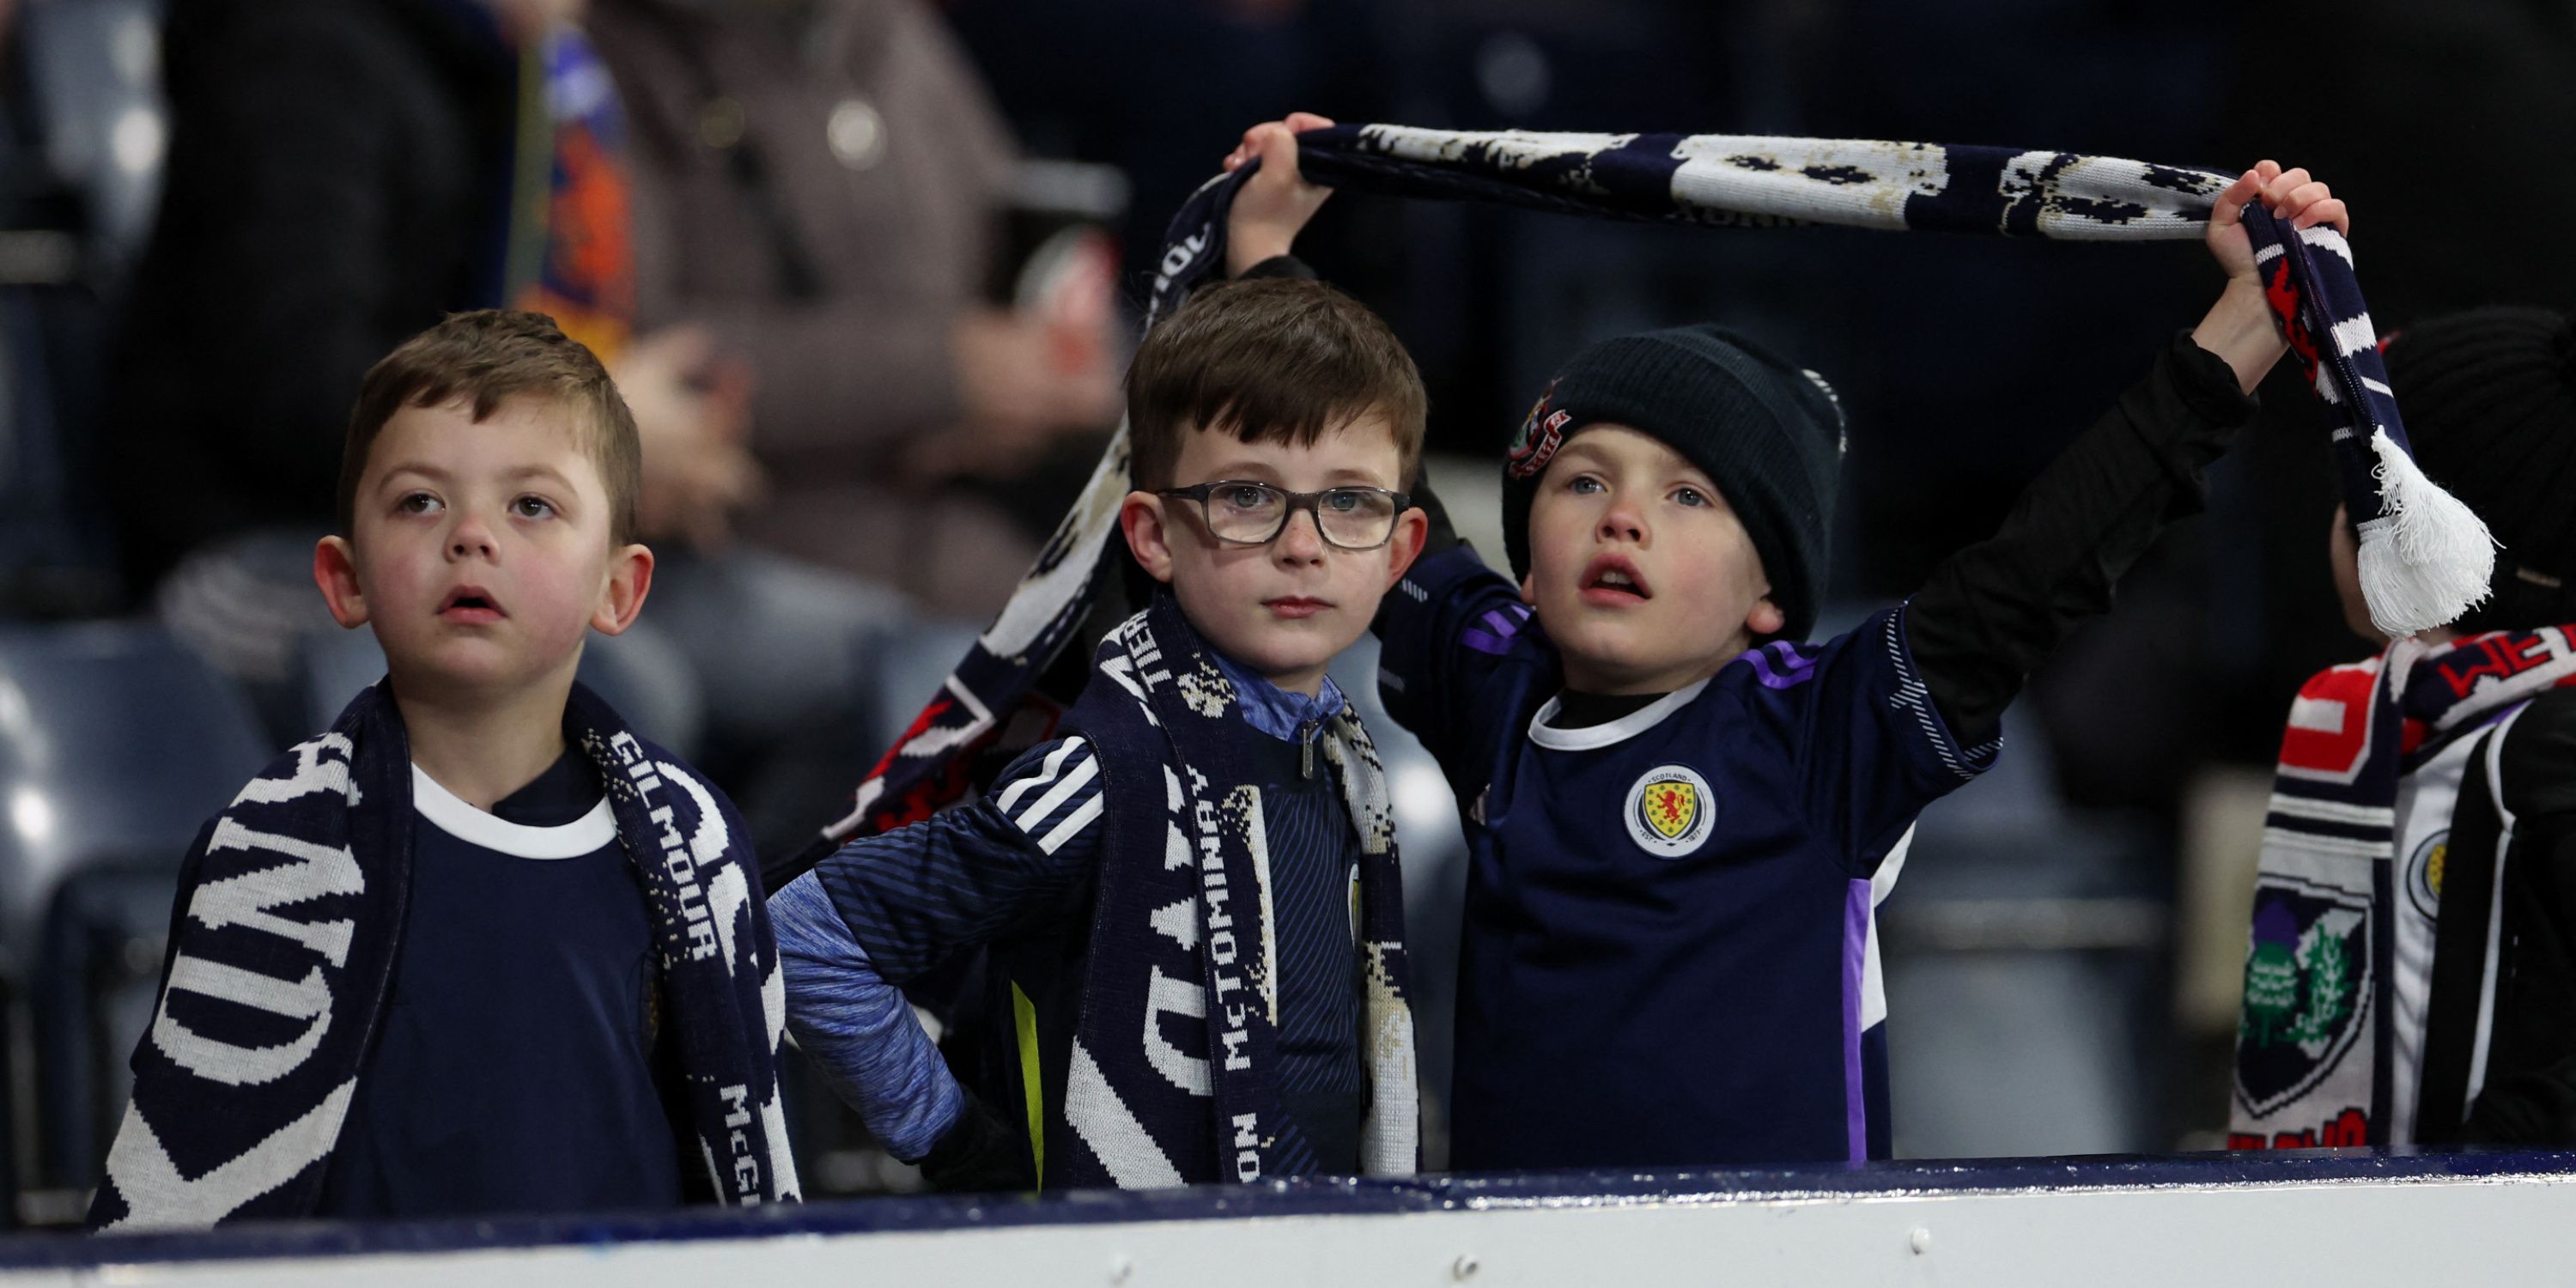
(2425, 558)
(282, 954)
(1181, 926)
(2314, 1042)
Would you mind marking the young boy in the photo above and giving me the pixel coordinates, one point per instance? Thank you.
(1189, 901)
(2409, 979)
(1681, 817)
(479, 949)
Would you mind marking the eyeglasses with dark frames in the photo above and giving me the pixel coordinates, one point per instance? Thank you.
(1245, 513)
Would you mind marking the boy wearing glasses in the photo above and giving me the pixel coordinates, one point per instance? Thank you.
(1188, 902)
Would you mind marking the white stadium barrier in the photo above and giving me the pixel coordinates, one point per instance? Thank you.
(2339, 1218)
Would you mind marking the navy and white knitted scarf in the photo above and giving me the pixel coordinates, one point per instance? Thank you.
(2315, 1039)
(2424, 558)
(1171, 1080)
(283, 950)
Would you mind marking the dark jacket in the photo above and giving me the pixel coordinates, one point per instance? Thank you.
(2516, 815)
(333, 186)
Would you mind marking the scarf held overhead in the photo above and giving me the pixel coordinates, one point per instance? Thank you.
(2424, 558)
(1183, 939)
(285, 949)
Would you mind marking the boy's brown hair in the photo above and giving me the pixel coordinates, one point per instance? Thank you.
(486, 358)
(1268, 360)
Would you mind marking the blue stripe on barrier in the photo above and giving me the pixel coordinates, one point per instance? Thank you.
(1310, 1197)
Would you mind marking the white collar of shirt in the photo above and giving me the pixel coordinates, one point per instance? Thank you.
(1619, 730)
(450, 814)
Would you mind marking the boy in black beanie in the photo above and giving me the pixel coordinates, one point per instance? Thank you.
(1681, 816)
(2431, 997)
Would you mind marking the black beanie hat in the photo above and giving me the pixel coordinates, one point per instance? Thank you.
(1768, 434)
(2490, 399)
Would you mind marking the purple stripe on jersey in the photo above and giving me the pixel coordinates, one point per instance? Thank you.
(1855, 957)
(1794, 670)
(1503, 624)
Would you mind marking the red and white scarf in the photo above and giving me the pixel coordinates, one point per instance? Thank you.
(2317, 1044)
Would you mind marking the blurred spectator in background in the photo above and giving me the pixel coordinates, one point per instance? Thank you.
(342, 173)
(1156, 87)
(329, 191)
(822, 182)
(1150, 85)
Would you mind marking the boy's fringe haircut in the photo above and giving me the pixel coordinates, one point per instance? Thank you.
(485, 358)
(1269, 360)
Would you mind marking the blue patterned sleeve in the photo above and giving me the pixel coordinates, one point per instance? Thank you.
(857, 1029)
(1017, 861)
(889, 908)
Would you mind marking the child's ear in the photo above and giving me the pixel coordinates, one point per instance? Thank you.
(1412, 530)
(1765, 619)
(630, 578)
(1142, 517)
(335, 570)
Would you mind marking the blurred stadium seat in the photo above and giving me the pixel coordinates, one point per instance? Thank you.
(116, 744)
(79, 176)
(78, 184)
(94, 70)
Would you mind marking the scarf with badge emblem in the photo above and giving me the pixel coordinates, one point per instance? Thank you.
(283, 944)
(1170, 1076)
(2314, 1040)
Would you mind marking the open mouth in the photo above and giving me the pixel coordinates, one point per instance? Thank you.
(1611, 579)
(470, 604)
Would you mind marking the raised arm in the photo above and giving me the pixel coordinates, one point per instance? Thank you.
(1992, 612)
(1274, 206)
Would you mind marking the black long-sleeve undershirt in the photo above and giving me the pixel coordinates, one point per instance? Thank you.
(1991, 613)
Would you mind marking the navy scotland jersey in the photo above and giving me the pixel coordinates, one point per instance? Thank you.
(517, 1065)
(1669, 952)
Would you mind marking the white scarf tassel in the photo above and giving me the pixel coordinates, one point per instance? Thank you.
(2428, 558)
